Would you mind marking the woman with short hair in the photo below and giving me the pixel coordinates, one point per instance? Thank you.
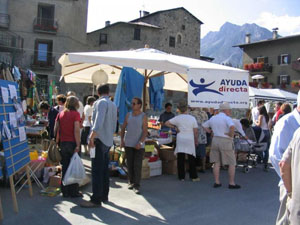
(68, 128)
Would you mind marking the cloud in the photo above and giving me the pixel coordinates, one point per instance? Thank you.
(288, 25)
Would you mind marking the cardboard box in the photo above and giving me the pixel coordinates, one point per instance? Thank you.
(55, 181)
(166, 153)
(155, 168)
(169, 167)
(145, 172)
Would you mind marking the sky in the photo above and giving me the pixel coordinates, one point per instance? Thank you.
(283, 14)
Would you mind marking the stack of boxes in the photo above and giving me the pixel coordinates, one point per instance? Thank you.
(169, 160)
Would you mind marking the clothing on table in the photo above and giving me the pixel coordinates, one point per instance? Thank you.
(104, 120)
(88, 111)
(164, 117)
(67, 150)
(292, 156)
(51, 119)
(185, 142)
(219, 124)
(134, 159)
(134, 130)
(67, 126)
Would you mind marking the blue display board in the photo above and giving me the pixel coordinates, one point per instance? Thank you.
(16, 151)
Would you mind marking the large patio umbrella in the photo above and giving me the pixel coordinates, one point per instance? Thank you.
(79, 67)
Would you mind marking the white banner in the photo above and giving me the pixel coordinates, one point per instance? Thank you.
(210, 88)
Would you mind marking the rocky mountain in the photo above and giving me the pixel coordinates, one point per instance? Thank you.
(218, 44)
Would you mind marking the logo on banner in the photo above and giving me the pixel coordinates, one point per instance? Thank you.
(199, 88)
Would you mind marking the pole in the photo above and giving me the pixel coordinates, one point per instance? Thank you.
(144, 91)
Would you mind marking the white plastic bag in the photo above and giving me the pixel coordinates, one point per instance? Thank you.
(75, 172)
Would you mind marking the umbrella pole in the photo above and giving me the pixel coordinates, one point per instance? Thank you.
(144, 91)
(93, 90)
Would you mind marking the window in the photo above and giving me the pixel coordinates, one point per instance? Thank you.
(45, 15)
(179, 38)
(43, 52)
(284, 59)
(137, 34)
(103, 39)
(183, 27)
(283, 79)
(172, 41)
(261, 59)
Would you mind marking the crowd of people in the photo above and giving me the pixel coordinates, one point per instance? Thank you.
(94, 125)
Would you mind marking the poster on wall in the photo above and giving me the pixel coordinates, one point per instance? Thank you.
(210, 88)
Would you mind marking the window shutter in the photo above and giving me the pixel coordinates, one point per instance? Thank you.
(266, 60)
(288, 81)
(254, 60)
(289, 58)
(279, 59)
(278, 80)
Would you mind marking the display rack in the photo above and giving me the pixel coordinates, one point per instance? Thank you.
(16, 151)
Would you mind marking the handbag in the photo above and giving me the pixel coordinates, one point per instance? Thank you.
(54, 155)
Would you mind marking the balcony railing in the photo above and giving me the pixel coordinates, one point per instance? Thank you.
(296, 65)
(49, 64)
(258, 67)
(10, 41)
(44, 25)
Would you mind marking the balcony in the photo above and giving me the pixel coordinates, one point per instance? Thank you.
(43, 25)
(296, 65)
(42, 65)
(259, 67)
(10, 41)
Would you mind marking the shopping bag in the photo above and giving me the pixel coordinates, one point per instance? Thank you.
(75, 173)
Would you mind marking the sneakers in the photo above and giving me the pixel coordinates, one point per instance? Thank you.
(196, 179)
(236, 186)
(217, 185)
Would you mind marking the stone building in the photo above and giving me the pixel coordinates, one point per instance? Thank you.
(35, 33)
(277, 59)
(174, 31)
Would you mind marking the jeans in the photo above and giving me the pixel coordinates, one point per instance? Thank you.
(67, 151)
(134, 161)
(181, 166)
(100, 173)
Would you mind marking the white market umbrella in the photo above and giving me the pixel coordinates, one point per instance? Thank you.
(79, 67)
(258, 76)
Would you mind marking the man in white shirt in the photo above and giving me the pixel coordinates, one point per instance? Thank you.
(222, 152)
(283, 133)
(255, 112)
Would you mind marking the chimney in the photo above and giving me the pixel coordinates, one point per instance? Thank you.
(275, 33)
(248, 38)
(145, 13)
(4, 17)
(107, 23)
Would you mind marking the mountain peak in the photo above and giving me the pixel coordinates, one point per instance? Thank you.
(219, 44)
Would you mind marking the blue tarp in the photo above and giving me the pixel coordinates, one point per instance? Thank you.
(130, 85)
(156, 92)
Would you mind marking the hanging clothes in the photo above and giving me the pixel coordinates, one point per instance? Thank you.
(156, 92)
(130, 85)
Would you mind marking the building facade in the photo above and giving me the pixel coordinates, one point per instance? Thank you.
(35, 33)
(277, 59)
(174, 31)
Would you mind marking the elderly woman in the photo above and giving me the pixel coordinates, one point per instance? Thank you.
(187, 139)
(135, 125)
(68, 128)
